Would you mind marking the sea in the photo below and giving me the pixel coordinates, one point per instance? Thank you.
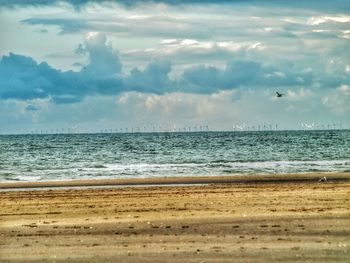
(144, 155)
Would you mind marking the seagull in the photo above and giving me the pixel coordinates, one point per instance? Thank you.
(279, 95)
(323, 179)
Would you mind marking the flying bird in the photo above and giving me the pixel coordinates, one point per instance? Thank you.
(279, 95)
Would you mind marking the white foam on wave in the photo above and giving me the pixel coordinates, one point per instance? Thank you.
(27, 178)
(224, 167)
(273, 164)
(287, 166)
(149, 169)
(145, 170)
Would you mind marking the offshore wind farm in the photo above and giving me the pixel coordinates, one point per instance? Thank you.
(168, 128)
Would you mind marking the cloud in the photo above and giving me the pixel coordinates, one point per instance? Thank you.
(201, 78)
(124, 25)
(31, 107)
(129, 3)
(195, 50)
(154, 78)
(142, 20)
(103, 59)
(178, 106)
(15, 113)
(267, 32)
(338, 100)
(321, 4)
(66, 25)
(23, 78)
(225, 108)
(302, 94)
(243, 73)
(328, 19)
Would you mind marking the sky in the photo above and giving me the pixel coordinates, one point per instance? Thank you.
(91, 66)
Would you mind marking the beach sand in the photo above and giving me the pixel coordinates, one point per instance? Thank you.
(224, 219)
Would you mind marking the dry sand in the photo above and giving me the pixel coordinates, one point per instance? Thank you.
(251, 219)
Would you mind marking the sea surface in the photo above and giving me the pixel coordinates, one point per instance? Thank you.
(142, 155)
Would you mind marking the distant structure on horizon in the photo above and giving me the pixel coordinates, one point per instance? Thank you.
(255, 127)
(321, 126)
(171, 128)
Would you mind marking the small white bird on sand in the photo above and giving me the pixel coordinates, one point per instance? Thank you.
(323, 179)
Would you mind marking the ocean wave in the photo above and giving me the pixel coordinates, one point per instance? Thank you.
(65, 157)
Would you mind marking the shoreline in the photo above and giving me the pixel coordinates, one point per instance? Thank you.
(168, 181)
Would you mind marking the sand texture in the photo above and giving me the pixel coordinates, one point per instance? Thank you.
(245, 221)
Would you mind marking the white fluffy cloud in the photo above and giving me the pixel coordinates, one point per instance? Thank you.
(314, 21)
(103, 59)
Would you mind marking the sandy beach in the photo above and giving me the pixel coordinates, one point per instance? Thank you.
(285, 218)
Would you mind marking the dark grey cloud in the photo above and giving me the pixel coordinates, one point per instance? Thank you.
(201, 78)
(242, 73)
(321, 4)
(23, 78)
(155, 26)
(80, 3)
(66, 25)
(154, 78)
(32, 108)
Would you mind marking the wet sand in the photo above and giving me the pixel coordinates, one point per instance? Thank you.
(251, 219)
